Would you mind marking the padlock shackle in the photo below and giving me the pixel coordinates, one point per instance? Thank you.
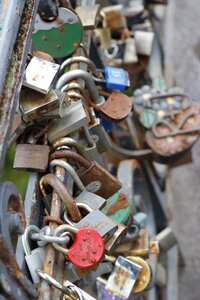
(89, 81)
(69, 169)
(73, 86)
(80, 59)
(81, 205)
(27, 236)
(60, 229)
(66, 141)
(62, 192)
(73, 155)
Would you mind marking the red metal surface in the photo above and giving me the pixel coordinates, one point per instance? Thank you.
(87, 249)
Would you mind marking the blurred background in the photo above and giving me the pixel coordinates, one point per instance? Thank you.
(183, 67)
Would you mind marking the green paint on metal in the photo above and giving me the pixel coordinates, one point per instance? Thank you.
(147, 118)
(122, 215)
(59, 42)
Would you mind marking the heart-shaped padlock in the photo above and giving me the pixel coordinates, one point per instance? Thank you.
(87, 249)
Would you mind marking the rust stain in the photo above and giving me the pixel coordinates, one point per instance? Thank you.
(121, 203)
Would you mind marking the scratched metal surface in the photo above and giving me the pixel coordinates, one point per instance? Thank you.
(184, 63)
(16, 22)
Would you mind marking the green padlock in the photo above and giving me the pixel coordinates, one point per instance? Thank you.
(118, 208)
(61, 37)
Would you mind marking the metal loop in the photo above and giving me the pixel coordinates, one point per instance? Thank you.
(60, 229)
(26, 236)
(78, 59)
(80, 205)
(69, 169)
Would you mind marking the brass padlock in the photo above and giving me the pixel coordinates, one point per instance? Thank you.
(92, 171)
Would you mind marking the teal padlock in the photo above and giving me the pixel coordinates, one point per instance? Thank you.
(61, 37)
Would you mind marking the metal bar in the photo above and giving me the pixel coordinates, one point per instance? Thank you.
(18, 39)
(172, 273)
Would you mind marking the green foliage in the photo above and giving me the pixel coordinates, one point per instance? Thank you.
(19, 178)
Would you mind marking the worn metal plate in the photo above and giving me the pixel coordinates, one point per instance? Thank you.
(123, 277)
(117, 107)
(31, 157)
(61, 37)
(89, 15)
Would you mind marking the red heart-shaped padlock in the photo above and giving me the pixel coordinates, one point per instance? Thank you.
(87, 249)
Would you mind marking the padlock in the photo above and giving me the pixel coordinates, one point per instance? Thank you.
(97, 130)
(34, 258)
(130, 52)
(40, 75)
(53, 37)
(90, 172)
(117, 107)
(112, 243)
(123, 277)
(109, 183)
(34, 105)
(74, 118)
(111, 231)
(87, 248)
(31, 157)
(89, 16)
(94, 201)
(144, 42)
(116, 78)
(144, 277)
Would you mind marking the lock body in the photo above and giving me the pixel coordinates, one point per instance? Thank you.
(31, 157)
(109, 183)
(73, 119)
(94, 201)
(40, 74)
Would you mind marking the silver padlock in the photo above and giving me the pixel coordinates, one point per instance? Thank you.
(130, 52)
(96, 220)
(123, 277)
(35, 105)
(74, 118)
(111, 244)
(144, 42)
(40, 74)
(34, 258)
(94, 201)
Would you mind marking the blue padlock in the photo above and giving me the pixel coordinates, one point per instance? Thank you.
(116, 78)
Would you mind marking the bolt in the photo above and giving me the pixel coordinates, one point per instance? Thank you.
(83, 258)
(100, 244)
(94, 251)
(58, 46)
(44, 38)
(88, 231)
(93, 260)
(84, 239)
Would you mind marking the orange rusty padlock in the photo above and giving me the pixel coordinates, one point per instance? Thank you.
(87, 249)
